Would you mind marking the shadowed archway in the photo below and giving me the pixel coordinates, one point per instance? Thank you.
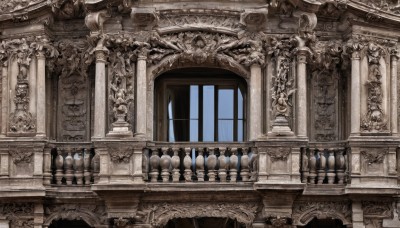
(204, 222)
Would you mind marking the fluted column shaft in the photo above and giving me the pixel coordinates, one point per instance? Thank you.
(41, 94)
(255, 102)
(355, 93)
(141, 97)
(301, 93)
(100, 95)
(393, 94)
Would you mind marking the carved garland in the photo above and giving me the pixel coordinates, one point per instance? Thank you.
(304, 212)
(159, 215)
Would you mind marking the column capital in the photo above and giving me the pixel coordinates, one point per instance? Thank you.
(40, 55)
(101, 54)
(394, 54)
(302, 54)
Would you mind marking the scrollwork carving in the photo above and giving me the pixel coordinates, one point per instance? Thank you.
(20, 214)
(377, 209)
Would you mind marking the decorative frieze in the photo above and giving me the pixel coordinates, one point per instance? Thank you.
(19, 214)
(92, 214)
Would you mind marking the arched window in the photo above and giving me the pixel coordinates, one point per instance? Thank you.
(200, 105)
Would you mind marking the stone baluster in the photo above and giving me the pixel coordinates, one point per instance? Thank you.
(68, 166)
(187, 163)
(200, 165)
(331, 167)
(146, 164)
(165, 163)
(244, 164)
(322, 166)
(253, 166)
(211, 165)
(313, 168)
(223, 165)
(78, 167)
(305, 169)
(95, 164)
(340, 166)
(59, 162)
(86, 166)
(233, 165)
(154, 164)
(175, 162)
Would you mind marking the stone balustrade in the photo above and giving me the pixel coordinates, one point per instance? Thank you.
(200, 163)
(324, 166)
(74, 166)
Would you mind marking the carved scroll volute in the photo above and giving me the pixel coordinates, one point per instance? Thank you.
(94, 21)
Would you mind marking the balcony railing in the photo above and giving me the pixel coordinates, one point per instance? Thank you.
(74, 165)
(200, 162)
(324, 166)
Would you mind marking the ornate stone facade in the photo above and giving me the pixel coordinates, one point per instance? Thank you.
(86, 99)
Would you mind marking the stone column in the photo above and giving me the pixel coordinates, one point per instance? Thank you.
(393, 93)
(100, 93)
(355, 111)
(4, 99)
(39, 215)
(302, 92)
(141, 97)
(357, 215)
(41, 95)
(255, 129)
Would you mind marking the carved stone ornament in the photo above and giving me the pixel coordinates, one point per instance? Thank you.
(377, 209)
(20, 214)
(283, 82)
(92, 214)
(382, 5)
(304, 212)
(205, 48)
(72, 68)
(158, 215)
(120, 154)
(21, 155)
(68, 9)
(279, 153)
(326, 74)
(374, 155)
(279, 222)
(375, 119)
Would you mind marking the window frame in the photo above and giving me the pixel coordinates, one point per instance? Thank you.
(218, 80)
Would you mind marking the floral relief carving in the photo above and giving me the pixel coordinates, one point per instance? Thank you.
(304, 212)
(377, 209)
(158, 215)
(120, 154)
(21, 155)
(279, 154)
(375, 155)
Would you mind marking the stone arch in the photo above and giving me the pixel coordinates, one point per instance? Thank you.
(160, 214)
(88, 217)
(304, 213)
